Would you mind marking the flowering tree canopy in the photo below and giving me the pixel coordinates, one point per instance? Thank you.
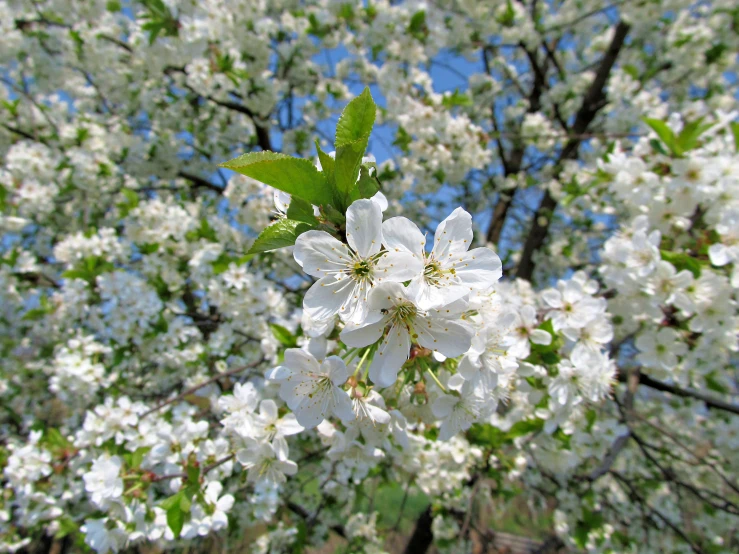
(265, 261)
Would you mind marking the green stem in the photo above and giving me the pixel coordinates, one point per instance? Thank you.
(362, 360)
(433, 376)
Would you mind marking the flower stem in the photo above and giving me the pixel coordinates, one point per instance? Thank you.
(362, 360)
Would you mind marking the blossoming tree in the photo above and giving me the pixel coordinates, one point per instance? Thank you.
(224, 321)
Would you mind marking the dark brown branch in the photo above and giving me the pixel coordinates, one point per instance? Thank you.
(593, 101)
(199, 181)
(711, 403)
(196, 388)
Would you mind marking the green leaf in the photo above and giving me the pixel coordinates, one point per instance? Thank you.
(417, 25)
(456, 99)
(714, 53)
(327, 165)
(300, 210)
(286, 338)
(279, 235)
(55, 439)
(367, 186)
(176, 519)
(356, 120)
(172, 501)
(682, 261)
(138, 456)
(691, 132)
(346, 170)
(735, 132)
(193, 474)
(664, 133)
(402, 140)
(295, 176)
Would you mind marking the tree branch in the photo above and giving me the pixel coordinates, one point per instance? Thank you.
(593, 101)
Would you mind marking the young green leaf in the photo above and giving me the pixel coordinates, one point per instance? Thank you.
(346, 170)
(327, 164)
(295, 176)
(300, 210)
(691, 132)
(279, 235)
(682, 261)
(356, 120)
(286, 338)
(176, 519)
(664, 133)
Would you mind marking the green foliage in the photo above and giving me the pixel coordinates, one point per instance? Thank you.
(93, 267)
(456, 99)
(485, 435)
(685, 141)
(283, 335)
(417, 26)
(352, 137)
(296, 176)
(279, 235)
(682, 261)
(300, 210)
(159, 20)
(735, 132)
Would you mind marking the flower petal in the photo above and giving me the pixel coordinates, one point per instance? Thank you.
(448, 337)
(317, 253)
(398, 267)
(364, 334)
(328, 296)
(390, 356)
(453, 235)
(477, 269)
(400, 233)
(364, 227)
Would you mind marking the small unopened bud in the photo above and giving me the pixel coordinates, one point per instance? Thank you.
(420, 388)
(419, 352)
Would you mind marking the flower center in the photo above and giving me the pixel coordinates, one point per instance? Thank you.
(361, 270)
(404, 315)
(433, 273)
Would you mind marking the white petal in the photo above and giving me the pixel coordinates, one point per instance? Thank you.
(390, 356)
(479, 268)
(288, 425)
(300, 360)
(453, 235)
(365, 333)
(400, 233)
(328, 296)
(428, 296)
(268, 409)
(378, 415)
(379, 199)
(397, 267)
(288, 467)
(343, 405)
(364, 227)
(386, 296)
(469, 367)
(282, 201)
(540, 336)
(552, 297)
(448, 337)
(278, 373)
(442, 407)
(318, 252)
(335, 368)
(309, 414)
(719, 254)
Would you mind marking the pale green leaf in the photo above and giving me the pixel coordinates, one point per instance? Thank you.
(295, 176)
